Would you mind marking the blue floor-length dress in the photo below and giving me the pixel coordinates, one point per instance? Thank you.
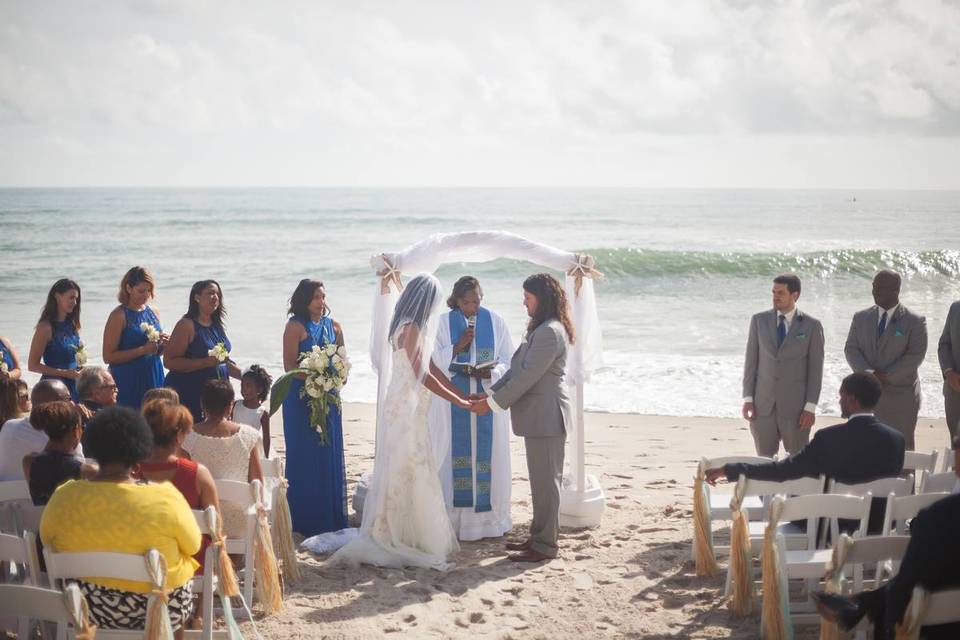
(61, 353)
(190, 384)
(135, 377)
(315, 472)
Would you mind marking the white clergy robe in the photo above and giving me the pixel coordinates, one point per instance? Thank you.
(467, 523)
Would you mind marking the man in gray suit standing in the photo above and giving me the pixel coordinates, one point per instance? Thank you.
(782, 371)
(535, 393)
(948, 352)
(890, 341)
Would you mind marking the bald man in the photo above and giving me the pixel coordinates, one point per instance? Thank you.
(890, 341)
(18, 437)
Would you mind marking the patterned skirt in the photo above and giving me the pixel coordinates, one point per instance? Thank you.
(115, 609)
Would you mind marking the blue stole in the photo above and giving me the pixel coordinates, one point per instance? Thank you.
(462, 446)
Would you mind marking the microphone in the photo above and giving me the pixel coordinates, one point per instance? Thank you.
(472, 321)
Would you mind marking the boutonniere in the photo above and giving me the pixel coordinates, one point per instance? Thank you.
(801, 335)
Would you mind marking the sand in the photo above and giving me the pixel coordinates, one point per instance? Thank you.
(631, 577)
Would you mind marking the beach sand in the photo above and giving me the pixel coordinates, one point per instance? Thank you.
(631, 577)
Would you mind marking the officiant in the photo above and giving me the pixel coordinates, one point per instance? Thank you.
(473, 348)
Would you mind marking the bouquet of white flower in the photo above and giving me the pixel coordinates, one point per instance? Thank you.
(151, 332)
(219, 352)
(81, 353)
(3, 367)
(325, 371)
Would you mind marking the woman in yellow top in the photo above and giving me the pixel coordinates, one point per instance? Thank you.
(115, 512)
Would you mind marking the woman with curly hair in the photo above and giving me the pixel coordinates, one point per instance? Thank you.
(534, 391)
(254, 389)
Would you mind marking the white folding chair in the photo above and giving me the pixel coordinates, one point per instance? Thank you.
(796, 537)
(12, 494)
(916, 461)
(811, 564)
(901, 509)
(123, 566)
(929, 608)
(19, 554)
(206, 585)
(947, 459)
(881, 487)
(718, 503)
(244, 495)
(938, 482)
(36, 603)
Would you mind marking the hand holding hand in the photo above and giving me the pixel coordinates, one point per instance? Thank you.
(480, 407)
(806, 420)
(749, 411)
(477, 396)
(464, 404)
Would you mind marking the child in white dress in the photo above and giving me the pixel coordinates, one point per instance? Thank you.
(249, 410)
(228, 449)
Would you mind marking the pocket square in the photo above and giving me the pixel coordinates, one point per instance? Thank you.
(801, 336)
(898, 333)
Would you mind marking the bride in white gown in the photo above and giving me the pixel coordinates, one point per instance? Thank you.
(405, 522)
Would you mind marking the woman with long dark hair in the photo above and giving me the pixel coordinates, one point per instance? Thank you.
(316, 472)
(534, 391)
(56, 339)
(187, 354)
(133, 339)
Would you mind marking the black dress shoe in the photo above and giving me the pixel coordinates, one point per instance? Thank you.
(839, 609)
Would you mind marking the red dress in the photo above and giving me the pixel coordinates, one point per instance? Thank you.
(185, 480)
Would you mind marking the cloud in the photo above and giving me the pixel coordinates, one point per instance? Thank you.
(367, 76)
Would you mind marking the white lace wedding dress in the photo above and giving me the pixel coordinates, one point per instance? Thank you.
(405, 522)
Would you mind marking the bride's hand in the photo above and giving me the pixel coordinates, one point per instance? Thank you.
(463, 404)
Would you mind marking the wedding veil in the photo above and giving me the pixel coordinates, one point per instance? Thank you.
(420, 305)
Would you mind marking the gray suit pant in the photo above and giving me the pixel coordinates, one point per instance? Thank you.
(769, 430)
(951, 402)
(545, 468)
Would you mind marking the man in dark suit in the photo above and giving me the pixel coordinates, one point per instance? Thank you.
(860, 450)
(932, 561)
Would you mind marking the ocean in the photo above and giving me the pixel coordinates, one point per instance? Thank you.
(685, 268)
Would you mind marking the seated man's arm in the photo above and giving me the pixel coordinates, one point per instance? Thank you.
(803, 465)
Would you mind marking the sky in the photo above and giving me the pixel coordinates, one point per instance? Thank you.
(607, 93)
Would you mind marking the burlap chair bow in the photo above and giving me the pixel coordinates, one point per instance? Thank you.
(704, 556)
(268, 575)
(283, 526)
(741, 562)
(775, 622)
(157, 626)
(80, 613)
(834, 582)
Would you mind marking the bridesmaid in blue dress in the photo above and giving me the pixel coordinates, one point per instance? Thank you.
(316, 473)
(186, 354)
(56, 340)
(134, 360)
(10, 360)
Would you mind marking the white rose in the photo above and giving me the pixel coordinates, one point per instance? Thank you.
(313, 392)
(323, 360)
(336, 360)
(327, 385)
(338, 366)
(342, 351)
(317, 349)
(331, 349)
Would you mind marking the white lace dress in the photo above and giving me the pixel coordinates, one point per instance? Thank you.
(227, 458)
(405, 522)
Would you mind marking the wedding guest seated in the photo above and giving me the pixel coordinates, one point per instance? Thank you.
(860, 450)
(96, 389)
(170, 424)
(931, 561)
(18, 438)
(229, 450)
(115, 512)
(9, 401)
(48, 469)
(161, 393)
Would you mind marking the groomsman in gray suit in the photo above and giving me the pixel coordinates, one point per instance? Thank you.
(948, 352)
(782, 371)
(890, 341)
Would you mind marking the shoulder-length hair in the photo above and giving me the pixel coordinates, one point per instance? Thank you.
(132, 278)
(551, 303)
(302, 297)
(193, 310)
(462, 287)
(50, 310)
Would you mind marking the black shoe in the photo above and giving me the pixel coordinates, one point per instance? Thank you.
(839, 609)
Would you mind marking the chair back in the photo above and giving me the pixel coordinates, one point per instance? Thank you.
(940, 607)
(880, 552)
(937, 482)
(21, 551)
(14, 490)
(947, 459)
(901, 509)
(879, 487)
(27, 517)
(99, 564)
(832, 507)
(917, 461)
(29, 602)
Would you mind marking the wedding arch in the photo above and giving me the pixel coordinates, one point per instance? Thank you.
(582, 501)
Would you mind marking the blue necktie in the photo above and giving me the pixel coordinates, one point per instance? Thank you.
(781, 331)
(883, 324)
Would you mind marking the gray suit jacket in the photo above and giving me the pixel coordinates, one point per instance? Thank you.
(897, 353)
(533, 389)
(948, 350)
(788, 376)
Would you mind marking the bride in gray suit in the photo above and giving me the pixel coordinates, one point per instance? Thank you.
(535, 393)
